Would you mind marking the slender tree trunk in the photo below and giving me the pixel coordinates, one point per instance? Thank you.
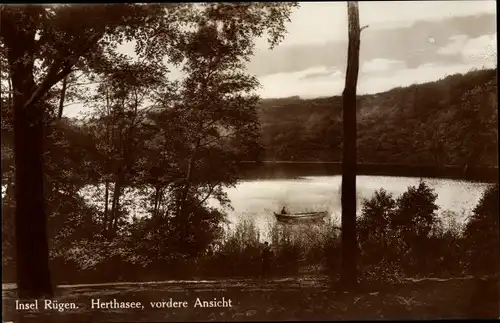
(473, 158)
(187, 184)
(63, 95)
(106, 183)
(157, 200)
(106, 206)
(348, 199)
(11, 103)
(113, 222)
(161, 207)
(183, 204)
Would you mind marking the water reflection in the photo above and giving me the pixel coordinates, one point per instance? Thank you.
(257, 200)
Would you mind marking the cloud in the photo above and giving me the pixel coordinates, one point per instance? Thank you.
(319, 22)
(379, 65)
(483, 48)
(298, 83)
(376, 81)
(408, 76)
(318, 72)
(453, 47)
(415, 45)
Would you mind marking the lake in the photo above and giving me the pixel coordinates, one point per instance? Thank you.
(256, 200)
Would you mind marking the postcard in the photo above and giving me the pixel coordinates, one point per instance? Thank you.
(249, 161)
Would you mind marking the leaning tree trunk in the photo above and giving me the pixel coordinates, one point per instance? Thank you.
(348, 199)
(61, 100)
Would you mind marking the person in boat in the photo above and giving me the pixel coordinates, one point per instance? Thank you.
(284, 211)
(266, 260)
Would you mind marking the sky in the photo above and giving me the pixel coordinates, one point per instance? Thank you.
(405, 43)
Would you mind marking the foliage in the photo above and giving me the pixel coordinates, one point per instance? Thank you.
(150, 248)
(482, 233)
(416, 212)
(112, 150)
(423, 124)
(410, 228)
(374, 228)
(395, 234)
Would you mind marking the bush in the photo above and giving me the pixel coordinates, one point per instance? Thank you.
(239, 254)
(374, 227)
(482, 234)
(396, 234)
(414, 222)
(416, 212)
(294, 247)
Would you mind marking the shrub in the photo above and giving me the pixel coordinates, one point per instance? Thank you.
(482, 234)
(395, 235)
(239, 253)
(374, 226)
(380, 245)
(416, 212)
(414, 221)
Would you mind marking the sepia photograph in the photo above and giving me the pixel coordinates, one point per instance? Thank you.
(249, 161)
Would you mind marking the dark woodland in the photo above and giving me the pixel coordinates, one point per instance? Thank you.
(423, 124)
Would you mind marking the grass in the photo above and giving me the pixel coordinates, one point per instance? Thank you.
(301, 298)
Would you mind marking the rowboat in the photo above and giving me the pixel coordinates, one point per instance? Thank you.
(296, 217)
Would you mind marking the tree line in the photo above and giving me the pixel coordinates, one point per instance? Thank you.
(452, 121)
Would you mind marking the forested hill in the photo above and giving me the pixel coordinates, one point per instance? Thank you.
(452, 121)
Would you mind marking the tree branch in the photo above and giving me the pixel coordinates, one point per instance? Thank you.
(210, 191)
(230, 135)
(73, 103)
(54, 77)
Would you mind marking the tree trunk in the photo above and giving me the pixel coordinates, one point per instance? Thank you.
(63, 95)
(8, 234)
(10, 90)
(106, 206)
(348, 199)
(473, 158)
(183, 203)
(115, 205)
(32, 254)
(33, 275)
(106, 192)
(157, 200)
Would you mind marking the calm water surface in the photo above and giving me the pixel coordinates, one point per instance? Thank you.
(257, 200)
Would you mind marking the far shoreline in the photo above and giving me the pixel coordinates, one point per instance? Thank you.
(273, 170)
